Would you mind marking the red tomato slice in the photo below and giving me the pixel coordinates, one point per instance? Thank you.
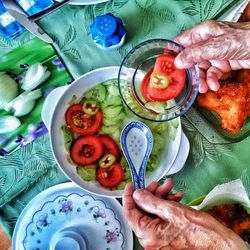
(177, 77)
(82, 123)
(110, 177)
(86, 150)
(144, 86)
(110, 146)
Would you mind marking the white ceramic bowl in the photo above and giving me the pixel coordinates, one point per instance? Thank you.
(53, 116)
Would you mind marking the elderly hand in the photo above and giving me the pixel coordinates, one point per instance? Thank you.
(161, 223)
(217, 47)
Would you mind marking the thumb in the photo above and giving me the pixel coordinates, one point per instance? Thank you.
(154, 205)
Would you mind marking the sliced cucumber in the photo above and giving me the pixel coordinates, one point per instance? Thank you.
(112, 121)
(122, 185)
(109, 130)
(153, 162)
(113, 90)
(158, 107)
(98, 93)
(127, 172)
(112, 100)
(112, 112)
(87, 173)
(68, 137)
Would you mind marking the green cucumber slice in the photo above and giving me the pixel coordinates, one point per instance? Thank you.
(68, 137)
(111, 112)
(87, 173)
(98, 93)
(113, 90)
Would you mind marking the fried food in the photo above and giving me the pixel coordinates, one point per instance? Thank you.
(243, 76)
(229, 102)
(245, 17)
(235, 217)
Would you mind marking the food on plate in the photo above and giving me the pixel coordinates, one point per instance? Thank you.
(235, 217)
(82, 123)
(245, 17)
(7, 94)
(86, 150)
(110, 178)
(229, 102)
(164, 82)
(92, 131)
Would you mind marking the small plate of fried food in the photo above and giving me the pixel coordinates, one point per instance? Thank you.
(224, 116)
(230, 205)
(230, 105)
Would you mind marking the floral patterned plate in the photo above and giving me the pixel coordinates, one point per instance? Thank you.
(67, 217)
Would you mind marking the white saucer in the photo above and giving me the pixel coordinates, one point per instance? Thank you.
(67, 216)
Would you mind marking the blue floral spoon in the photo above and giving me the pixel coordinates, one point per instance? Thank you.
(137, 144)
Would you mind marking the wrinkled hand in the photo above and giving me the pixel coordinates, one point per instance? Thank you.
(217, 47)
(162, 224)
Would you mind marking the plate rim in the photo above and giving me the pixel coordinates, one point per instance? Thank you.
(116, 206)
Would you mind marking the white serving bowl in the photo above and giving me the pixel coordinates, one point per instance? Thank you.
(53, 116)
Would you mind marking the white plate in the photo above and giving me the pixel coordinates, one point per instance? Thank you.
(54, 119)
(65, 215)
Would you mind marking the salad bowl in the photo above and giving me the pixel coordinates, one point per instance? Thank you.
(171, 159)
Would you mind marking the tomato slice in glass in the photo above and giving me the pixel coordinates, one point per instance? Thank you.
(82, 123)
(110, 146)
(86, 150)
(110, 177)
(163, 74)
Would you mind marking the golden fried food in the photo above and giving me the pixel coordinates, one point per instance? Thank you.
(229, 102)
(243, 76)
(245, 17)
(235, 217)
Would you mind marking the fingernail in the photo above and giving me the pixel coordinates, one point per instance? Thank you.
(180, 62)
(137, 194)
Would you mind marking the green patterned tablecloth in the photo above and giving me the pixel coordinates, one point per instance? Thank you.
(207, 165)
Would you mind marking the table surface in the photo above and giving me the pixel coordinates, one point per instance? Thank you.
(207, 165)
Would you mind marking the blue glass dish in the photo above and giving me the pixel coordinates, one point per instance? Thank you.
(135, 66)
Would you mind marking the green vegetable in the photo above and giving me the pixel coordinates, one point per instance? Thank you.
(158, 107)
(127, 172)
(8, 89)
(112, 121)
(112, 112)
(90, 106)
(122, 185)
(113, 90)
(106, 161)
(87, 173)
(112, 100)
(68, 137)
(72, 100)
(98, 93)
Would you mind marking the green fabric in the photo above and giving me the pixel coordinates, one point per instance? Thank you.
(207, 165)
(30, 53)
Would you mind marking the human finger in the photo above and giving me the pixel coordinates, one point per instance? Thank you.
(152, 187)
(203, 84)
(175, 197)
(153, 204)
(165, 188)
(201, 32)
(135, 218)
(212, 78)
